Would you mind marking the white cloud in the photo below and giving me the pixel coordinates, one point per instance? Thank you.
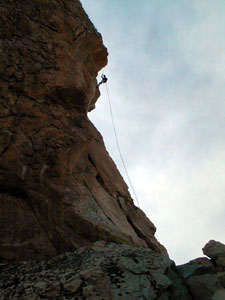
(166, 83)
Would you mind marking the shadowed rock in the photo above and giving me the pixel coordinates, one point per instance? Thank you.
(214, 250)
(103, 271)
(59, 189)
(204, 277)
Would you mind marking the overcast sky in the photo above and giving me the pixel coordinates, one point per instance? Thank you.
(166, 83)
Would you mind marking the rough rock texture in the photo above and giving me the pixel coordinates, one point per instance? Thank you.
(100, 272)
(109, 271)
(59, 189)
(216, 251)
(204, 277)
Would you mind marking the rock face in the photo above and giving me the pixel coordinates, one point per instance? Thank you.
(216, 251)
(109, 271)
(59, 189)
(102, 271)
(205, 278)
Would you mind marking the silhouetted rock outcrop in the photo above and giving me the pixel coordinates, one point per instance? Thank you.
(59, 189)
(206, 277)
(62, 199)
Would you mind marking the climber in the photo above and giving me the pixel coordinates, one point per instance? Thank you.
(104, 80)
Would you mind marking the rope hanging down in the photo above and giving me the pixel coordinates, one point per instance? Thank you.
(118, 146)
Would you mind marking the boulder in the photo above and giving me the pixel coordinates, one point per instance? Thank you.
(214, 250)
(200, 265)
(205, 278)
(203, 287)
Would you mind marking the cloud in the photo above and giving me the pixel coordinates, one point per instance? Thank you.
(166, 84)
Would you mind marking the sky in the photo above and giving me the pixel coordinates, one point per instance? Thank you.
(166, 82)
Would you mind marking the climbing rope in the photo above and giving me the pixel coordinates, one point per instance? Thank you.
(118, 147)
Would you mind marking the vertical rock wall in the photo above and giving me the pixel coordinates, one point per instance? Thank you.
(59, 189)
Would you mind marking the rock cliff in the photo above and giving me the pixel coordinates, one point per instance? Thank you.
(59, 188)
(68, 226)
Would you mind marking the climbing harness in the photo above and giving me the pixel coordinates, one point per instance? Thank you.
(118, 146)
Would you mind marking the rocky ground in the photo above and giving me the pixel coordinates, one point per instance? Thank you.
(102, 271)
(109, 271)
